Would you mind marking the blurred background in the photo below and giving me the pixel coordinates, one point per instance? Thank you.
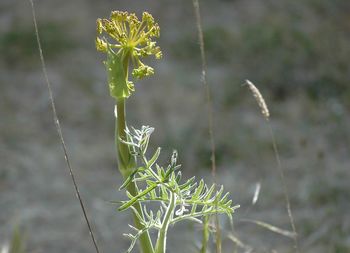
(296, 52)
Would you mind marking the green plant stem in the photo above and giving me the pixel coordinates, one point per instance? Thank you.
(161, 241)
(205, 234)
(123, 153)
(218, 234)
(126, 164)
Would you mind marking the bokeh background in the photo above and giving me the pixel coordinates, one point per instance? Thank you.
(296, 52)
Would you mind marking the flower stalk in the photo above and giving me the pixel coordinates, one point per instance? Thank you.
(126, 164)
(131, 41)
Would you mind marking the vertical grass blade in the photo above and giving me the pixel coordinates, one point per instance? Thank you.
(59, 130)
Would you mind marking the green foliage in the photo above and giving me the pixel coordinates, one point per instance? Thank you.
(132, 41)
(218, 44)
(290, 52)
(19, 43)
(294, 46)
(16, 245)
(333, 191)
(177, 201)
(119, 86)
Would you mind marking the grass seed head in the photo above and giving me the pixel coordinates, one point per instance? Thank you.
(259, 99)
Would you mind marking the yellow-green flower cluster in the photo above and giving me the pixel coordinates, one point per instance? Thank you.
(132, 40)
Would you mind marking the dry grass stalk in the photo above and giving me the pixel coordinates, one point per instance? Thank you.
(59, 129)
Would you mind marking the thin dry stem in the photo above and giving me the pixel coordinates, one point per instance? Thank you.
(210, 112)
(265, 112)
(58, 128)
(285, 190)
(207, 87)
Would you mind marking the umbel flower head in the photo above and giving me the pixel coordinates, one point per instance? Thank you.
(128, 41)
